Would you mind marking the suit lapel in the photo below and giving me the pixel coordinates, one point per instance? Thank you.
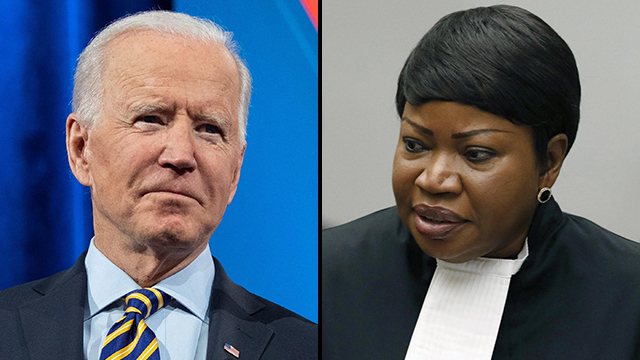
(52, 324)
(230, 321)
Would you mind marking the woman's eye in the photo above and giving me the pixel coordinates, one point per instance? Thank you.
(413, 145)
(478, 155)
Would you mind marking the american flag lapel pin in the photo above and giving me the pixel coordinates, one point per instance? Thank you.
(231, 350)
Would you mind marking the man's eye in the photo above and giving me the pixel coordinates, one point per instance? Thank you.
(150, 119)
(478, 155)
(211, 129)
(413, 145)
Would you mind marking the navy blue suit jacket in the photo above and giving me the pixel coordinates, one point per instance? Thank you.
(44, 320)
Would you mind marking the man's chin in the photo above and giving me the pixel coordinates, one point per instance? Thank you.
(171, 240)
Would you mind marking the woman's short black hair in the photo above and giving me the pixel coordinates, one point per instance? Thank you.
(501, 59)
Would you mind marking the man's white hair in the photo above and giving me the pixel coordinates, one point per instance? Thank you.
(88, 80)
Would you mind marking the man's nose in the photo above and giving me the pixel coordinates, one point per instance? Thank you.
(179, 148)
(439, 175)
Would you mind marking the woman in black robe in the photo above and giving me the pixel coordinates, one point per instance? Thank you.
(489, 107)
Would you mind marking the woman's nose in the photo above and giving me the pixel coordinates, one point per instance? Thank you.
(439, 175)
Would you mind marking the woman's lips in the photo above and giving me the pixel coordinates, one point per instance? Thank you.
(436, 222)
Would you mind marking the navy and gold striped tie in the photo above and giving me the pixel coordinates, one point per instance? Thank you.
(130, 338)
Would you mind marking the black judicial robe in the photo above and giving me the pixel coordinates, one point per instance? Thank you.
(577, 295)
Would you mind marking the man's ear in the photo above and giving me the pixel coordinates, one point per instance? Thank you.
(236, 175)
(556, 151)
(77, 139)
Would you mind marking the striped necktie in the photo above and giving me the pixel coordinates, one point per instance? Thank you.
(129, 337)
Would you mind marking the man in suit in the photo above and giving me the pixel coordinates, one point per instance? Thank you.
(158, 134)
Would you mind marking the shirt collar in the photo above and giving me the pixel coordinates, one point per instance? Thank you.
(107, 283)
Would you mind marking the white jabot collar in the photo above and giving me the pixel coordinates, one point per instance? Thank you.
(462, 310)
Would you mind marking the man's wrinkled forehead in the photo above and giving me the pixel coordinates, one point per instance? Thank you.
(138, 46)
(141, 62)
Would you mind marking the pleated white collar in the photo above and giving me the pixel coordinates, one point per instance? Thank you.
(462, 310)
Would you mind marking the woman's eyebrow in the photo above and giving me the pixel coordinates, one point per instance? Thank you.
(421, 129)
(460, 135)
(475, 132)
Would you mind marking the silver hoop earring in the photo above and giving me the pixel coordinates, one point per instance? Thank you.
(544, 195)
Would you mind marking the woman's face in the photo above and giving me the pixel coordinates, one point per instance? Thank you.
(465, 181)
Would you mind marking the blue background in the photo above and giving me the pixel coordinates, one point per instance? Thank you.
(268, 238)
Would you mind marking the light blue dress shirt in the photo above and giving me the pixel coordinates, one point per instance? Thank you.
(181, 327)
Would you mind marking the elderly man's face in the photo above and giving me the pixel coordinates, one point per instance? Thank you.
(164, 158)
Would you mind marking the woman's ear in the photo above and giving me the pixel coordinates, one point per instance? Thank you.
(556, 151)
